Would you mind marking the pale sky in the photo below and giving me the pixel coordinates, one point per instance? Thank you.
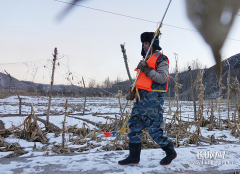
(89, 41)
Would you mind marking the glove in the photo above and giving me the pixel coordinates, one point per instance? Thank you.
(143, 66)
(130, 95)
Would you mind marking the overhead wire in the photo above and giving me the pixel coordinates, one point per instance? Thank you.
(23, 62)
(105, 11)
(119, 14)
(62, 56)
(75, 71)
(114, 14)
(62, 75)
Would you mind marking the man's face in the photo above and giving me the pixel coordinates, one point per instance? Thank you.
(146, 46)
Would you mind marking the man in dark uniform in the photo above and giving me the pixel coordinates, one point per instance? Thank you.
(147, 111)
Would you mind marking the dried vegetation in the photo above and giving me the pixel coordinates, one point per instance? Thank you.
(180, 131)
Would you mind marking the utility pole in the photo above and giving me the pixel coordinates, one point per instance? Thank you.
(52, 79)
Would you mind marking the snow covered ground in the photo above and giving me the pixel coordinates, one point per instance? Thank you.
(95, 159)
(225, 158)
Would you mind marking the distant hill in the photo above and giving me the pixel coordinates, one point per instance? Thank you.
(46, 87)
(210, 80)
(5, 83)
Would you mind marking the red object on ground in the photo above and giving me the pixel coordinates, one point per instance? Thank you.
(107, 134)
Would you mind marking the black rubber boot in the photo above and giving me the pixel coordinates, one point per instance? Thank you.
(170, 154)
(134, 154)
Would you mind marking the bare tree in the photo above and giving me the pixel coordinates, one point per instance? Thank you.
(117, 80)
(63, 89)
(40, 87)
(92, 83)
(91, 87)
(31, 88)
(107, 83)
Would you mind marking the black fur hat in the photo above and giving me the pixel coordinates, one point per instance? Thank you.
(147, 37)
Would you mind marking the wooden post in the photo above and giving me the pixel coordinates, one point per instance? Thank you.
(20, 99)
(84, 95)
(20, 106)
(63, 134)
(52, 80)
(126, 64)
(193, 92)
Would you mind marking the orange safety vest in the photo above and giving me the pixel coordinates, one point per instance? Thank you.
(145, 82)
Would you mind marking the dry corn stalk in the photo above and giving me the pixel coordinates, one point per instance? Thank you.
(235, 91)
(219, 99)
(16, 153)
(228, 92)
(2, 125)
(169, 111)
(200, 88)
(177, 85)
(193, 92)
(9, 146)
(31, 131)
(119, 95)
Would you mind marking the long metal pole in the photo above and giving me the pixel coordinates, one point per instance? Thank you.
(130, 78)
(144, 60)
(156, 33)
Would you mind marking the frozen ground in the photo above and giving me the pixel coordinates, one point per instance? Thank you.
(96, 160)
(224, 159)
